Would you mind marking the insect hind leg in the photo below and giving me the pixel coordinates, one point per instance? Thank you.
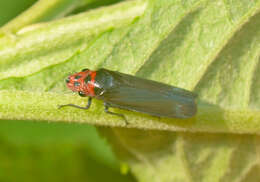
(113, 113)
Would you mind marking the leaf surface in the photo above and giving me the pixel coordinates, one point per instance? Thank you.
(210, 47)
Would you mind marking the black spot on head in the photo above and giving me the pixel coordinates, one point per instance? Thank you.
(77, 77)
(85, 69)
(82, 94)
(76, 84)
(87, 79)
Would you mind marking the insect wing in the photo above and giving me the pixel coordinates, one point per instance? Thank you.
(133, 93)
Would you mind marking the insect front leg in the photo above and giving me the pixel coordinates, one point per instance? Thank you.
(113, 113)
(79, 107)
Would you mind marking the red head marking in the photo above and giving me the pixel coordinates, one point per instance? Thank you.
(82, 82)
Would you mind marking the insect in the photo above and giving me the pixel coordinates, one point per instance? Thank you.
(119, 90)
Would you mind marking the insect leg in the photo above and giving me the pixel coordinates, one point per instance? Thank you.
(79, 107)
(113, 113)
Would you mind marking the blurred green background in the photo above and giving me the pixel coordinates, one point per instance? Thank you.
(41, 151)
(10, 9)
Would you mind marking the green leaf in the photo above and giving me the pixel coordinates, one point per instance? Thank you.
(210, 47)
(9, 11)
(44, 10)
(184, 156)
(194, 49)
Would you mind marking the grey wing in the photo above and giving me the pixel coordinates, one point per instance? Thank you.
(137, 82)
(155, 103)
